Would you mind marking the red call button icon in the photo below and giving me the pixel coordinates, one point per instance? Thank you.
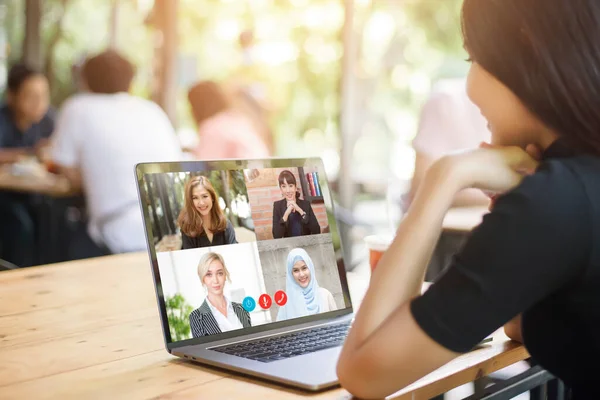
(280, 298)
(265, 301)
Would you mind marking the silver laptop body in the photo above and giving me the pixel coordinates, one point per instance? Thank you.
(162, 182)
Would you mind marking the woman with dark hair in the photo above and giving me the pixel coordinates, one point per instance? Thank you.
(292, 216)
(26, 123)
(25, 119)
(202, 222)
(533, 264)
(226, 127)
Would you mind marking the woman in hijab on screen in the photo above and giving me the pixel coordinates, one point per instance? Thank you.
(305, 296)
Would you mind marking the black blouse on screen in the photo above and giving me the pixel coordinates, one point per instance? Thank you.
(536, 253)
(219, 239)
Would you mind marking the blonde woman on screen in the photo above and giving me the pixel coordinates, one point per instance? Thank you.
(217, 313)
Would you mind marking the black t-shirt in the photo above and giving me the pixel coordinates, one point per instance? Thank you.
(536, 253)
(12, 137)
(219, 239)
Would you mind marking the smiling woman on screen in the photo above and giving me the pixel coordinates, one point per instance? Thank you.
(217, 313)
(305, 296)
(201, 220)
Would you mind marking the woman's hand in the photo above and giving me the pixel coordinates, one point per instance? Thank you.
(493, 169)
(288, 211)
(297, 207)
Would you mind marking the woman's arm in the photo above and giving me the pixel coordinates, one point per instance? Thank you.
(230, 234)
(513, 329)
(196, 325)
(331, 301)
(12, 155)
(247, 315)
(279, 226)
(386, 349)
(370, 364)
(464, 198)
(311, 220)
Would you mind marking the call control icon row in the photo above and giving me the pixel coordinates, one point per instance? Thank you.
(265, 301)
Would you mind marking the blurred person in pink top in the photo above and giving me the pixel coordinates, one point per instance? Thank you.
(227, 128)
(449, 122)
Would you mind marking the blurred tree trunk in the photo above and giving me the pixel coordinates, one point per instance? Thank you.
(226, 195)
(113, 32)
(54, 39)
(32, 46)
(348, 123)
(152, 188)
(164, 19)
(166, 204)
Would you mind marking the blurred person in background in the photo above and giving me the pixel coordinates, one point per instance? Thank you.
(226, 126)
(26, 122)
(449, 122)
(100, 135)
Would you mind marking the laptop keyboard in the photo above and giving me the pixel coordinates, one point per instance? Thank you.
(289, 345)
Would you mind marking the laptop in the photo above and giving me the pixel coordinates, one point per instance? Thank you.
(263, 291)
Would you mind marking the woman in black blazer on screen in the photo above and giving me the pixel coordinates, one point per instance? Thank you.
(292, 216)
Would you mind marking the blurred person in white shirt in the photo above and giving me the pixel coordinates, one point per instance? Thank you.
(100, 135)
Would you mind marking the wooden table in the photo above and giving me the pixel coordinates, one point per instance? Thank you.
(41, 183)
(90, 329)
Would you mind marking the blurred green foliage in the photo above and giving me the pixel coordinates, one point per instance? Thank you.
(294, 66)
(178, 314)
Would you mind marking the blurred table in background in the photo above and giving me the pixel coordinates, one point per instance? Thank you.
(50, 198)
(32, 178)
(456, 227)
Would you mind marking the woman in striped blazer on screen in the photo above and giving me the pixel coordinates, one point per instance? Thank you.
(217, 313)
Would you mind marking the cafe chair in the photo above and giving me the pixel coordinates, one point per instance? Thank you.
(540, 383)
(5, 265)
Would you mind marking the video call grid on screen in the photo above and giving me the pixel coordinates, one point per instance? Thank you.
(255, 254)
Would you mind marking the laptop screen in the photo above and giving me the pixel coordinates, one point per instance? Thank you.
(241, 248)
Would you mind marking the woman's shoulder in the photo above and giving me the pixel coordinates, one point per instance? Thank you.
(555, 196)
(240, 307)
(324, 292)
(203, 309)
(303, 203)
(196, 314)
(557, 182)
(235, 304)
(277, 203)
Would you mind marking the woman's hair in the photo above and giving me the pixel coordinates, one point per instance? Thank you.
(287, 176)
(108, 73)
(18, 75)
(190, 220)
(207, 99)
(548, 54)
(205, 262)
